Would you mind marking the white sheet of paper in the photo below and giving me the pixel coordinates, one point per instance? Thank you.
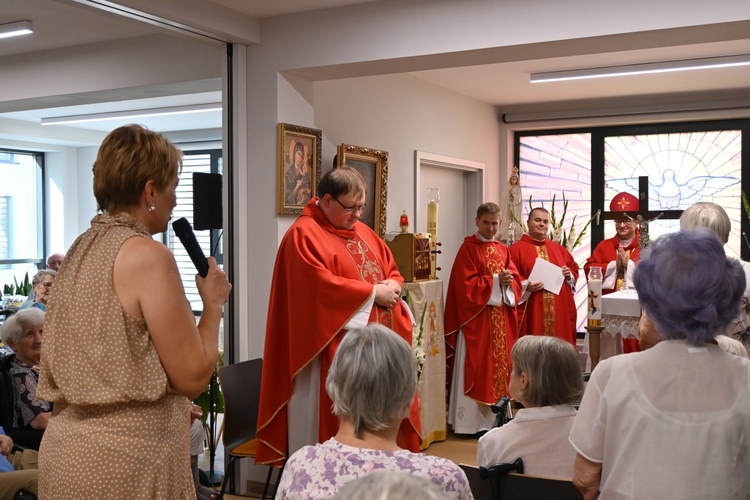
(549, 274)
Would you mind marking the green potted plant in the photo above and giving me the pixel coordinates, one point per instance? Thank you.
(24, 288)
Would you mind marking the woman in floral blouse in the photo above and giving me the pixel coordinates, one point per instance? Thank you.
(371, 382)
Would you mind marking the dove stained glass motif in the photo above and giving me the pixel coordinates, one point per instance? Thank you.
(682, 168)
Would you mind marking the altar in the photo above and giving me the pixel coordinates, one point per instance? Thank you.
(426, 304)
(621, 312)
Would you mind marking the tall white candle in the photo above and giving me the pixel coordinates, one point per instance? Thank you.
(595, 303)
(432, 218)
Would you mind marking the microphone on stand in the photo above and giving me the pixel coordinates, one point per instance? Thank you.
(185, 233)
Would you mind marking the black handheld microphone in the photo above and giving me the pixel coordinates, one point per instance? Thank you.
(183, 231)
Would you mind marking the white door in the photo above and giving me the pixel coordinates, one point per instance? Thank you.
(461, 184)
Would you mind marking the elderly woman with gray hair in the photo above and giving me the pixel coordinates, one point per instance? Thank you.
(42, 286)
(22, 332)
(712, 216)
(372, 382)
(547, 380)
(672, 421)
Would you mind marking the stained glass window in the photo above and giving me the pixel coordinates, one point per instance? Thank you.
(682, 169)
(683, 163)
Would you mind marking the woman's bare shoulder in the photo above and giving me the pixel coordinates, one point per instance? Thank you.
(144, 254)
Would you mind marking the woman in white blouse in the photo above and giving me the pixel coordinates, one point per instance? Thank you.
(547, 380)
(672, 421)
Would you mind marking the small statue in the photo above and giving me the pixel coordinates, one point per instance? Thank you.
(513, 209)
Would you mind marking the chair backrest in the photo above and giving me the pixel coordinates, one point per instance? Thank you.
(26, 438)
(7, 399)
(481, 489)
(240, 386)
(501, 482)
(514, 486)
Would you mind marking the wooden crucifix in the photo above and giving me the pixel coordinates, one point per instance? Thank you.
(643, 215)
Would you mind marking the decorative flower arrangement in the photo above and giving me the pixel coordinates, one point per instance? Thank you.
(418, 341)
(569, 239)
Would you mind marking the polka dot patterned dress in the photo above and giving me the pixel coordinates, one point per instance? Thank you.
(118, 429)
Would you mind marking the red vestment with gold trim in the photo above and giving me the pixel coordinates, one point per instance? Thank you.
(489, 331)
(322, 278)
(545, 313)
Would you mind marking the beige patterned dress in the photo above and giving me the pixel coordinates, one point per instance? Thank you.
(118, 429)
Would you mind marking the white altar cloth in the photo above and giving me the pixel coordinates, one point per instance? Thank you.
(621, 312)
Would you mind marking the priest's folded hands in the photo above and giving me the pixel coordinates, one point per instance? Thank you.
(505, 277)
(387, 293)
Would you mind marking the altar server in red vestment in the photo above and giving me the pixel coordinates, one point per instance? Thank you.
(617, 256)
(542, 312)
(480, 324)
(332, 274)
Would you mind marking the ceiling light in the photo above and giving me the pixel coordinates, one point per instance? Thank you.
(135, 113)
(15, 29)
(641, 69)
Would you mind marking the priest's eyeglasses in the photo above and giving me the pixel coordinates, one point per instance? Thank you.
(352, 209)
(621, 222)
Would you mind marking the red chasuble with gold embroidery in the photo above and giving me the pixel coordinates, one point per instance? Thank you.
(489, 331)
(545, 313)
(322, 277)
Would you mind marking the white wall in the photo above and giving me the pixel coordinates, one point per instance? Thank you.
(402, 114)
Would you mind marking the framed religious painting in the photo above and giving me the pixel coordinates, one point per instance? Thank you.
(300, 153)
(373, 165)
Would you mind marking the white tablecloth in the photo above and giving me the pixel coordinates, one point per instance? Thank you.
(621, 312)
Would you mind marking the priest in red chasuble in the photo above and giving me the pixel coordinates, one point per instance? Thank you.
(541, 312)
(617, 256)
(332, 274)
(480, 324)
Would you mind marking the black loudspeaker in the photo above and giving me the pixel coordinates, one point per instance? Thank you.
(207, 206)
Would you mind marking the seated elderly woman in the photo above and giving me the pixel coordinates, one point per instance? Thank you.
(42, 285)
(22, 332)
(672, 421)
(712, 216)
(547, 379)
(372, 382)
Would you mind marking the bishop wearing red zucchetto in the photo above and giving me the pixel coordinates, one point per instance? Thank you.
(617, 256)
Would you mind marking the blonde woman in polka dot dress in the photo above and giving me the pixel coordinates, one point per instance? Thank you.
(122, 351)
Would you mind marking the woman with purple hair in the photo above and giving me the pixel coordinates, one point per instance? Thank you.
(672, 421)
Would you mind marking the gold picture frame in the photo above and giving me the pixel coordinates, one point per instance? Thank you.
(298, 181)
(373, 165)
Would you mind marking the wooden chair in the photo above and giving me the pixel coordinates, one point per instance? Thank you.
(240, 385)
(515, 486)
(481, 489)
(507, 482)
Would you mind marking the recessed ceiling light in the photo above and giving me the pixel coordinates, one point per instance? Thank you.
(136, 113)
(641, 69)
(15, 29)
